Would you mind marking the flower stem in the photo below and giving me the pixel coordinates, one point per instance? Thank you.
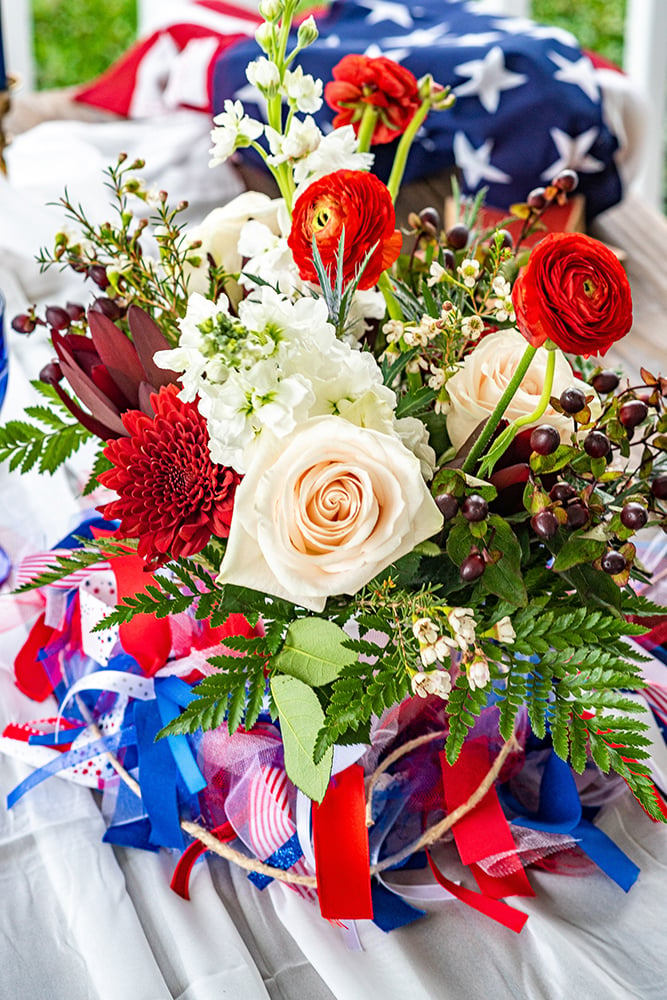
(393, 308)
(366, 128)
(404, 146)
(505, 439)
(480, 444)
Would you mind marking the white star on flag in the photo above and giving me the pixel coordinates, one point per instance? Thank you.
(524, 26)
(488, 77)
(573, 153)
(374, 52)
(421, 36)
(474, 41)
(580, 72)
(475, 162)
(331, 41)
(381, 10)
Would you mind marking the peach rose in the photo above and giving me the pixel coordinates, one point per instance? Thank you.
(482, 378)
(324, 510)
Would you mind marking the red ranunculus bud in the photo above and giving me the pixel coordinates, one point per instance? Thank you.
(362, 80)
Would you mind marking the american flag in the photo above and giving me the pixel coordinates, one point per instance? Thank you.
(528, 100)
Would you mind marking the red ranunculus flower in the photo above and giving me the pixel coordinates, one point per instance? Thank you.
(349, 200)
(171, 496)
(574, 292)
(362, 80)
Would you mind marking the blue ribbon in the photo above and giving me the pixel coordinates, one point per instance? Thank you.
(560, 811)
(55, 739)
(172, 694)
(108, 744)
(283, 858)
(391, 911)
(159, 777)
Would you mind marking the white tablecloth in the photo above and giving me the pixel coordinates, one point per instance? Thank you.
(81, 919)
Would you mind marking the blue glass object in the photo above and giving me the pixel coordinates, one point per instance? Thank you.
(4, 355)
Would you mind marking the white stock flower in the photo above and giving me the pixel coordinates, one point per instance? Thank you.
(302, 138)
(322, 511)
(219, 233)
(303, 91)
(263, 74)
(414, 435)
(483, 376)
(234, 130)
(437, 682)
(337, 151)
(478, 672)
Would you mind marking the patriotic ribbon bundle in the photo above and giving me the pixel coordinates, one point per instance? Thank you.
(113, 697)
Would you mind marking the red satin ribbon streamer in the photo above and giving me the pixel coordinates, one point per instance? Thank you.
(500, 912)
(145, 637)
(31, 677)
(484, 831)
(340, 841)
(180, 881)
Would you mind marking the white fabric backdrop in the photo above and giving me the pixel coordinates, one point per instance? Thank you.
(80, 920)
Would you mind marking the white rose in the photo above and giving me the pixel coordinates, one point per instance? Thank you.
(219, 234)
(483, 377)
(324, 510)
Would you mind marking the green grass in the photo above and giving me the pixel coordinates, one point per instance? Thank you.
(77, 39)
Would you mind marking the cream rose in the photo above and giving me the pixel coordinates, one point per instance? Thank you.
(219, 233)
(483, 377)
(324, 510)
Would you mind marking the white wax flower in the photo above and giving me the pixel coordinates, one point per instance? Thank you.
(437, 682)
(324, 510)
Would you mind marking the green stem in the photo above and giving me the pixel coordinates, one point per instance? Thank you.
(404, 146)
(502, 404)
(393, 308)
(366, 128)
(505, 439)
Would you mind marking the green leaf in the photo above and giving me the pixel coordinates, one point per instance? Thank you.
(578, 549)
(313, 651)
(551, 463)
(301, 718)
(504, 577)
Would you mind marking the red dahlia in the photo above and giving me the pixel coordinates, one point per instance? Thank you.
(171, 496)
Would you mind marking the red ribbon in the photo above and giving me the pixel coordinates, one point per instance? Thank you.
(145, 637)
(340, 841)
(180, 881)
(483, 831)
(31, 677)
(503, 914)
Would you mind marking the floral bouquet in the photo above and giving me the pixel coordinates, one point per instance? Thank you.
(364, 570)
